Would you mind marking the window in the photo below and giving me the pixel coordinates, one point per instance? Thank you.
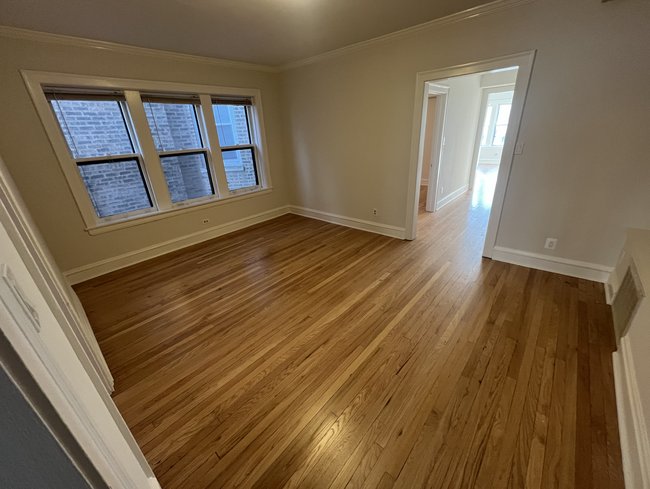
(497, 115)
(176, 132)
(225, 118)
(97, 132)
(501, 125)
(153, 148)
(234, 129)
(486, 125)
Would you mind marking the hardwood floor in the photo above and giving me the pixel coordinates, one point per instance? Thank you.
(302, 354)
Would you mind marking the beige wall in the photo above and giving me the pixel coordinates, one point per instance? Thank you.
(428, 140)
(508, 77)
(27, 153)
(348, 125)
(463, 107)
(585, 173)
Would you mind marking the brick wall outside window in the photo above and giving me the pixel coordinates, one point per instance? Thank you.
(96, 128)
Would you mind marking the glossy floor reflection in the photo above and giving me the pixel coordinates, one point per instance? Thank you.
(484, 185)
(301, 354)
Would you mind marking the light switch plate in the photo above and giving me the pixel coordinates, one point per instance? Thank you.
(519, 148)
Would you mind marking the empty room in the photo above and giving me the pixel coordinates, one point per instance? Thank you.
(324, 244)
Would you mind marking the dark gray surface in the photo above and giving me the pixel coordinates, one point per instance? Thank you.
(30, 457)
(32, 435)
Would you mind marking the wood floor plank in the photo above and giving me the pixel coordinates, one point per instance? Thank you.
(301, 354)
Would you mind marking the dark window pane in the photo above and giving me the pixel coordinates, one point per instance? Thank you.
(247, 176)
(187, 176)
(232, 124)
(93, 127)
(115, 187)
(173, 126)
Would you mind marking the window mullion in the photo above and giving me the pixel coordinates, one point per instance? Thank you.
(492, 126)
(213, 144)
(237, 146)
(149, 153)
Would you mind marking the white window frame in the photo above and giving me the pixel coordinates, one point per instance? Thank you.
(136, 155)
(252, 146)
(500, 99)
(159, 193)
(240, 165)
(208, 155)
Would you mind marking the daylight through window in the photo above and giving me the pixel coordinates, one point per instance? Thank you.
(176, 132)
(125, 177)
(100, 142)
(234, 129)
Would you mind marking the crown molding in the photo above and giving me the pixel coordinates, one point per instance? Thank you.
(480, 11)
(29, 35)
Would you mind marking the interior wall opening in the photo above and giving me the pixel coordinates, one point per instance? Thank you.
(466, 134)
(465, 130)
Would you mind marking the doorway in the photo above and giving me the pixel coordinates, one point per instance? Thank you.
(434, 139)
(458, 125)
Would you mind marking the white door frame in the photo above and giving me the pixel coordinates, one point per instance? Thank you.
(438, 142)
(55, 287)
(524, 61)
(119, 460)
(485, 93)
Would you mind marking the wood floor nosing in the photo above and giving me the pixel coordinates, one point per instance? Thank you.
(300, 354)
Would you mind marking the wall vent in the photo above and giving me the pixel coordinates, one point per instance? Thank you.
(627, 301)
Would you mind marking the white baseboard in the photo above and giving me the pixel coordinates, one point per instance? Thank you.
(573, 268)
(153, 482)
(454, 195)
(424, 181)
(103, 267)
(609, 293)
(93, 270)
(635, 446)
(351, 222)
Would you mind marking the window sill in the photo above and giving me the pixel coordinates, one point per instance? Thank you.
(158, 215)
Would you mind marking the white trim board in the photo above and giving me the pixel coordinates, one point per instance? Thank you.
(46, 37)
(87, 272)
(481, 10)
(153, 482)
(452, 196)
(56, 290)
(437, 144)
(27, 343)
(525, 63)
(563, 266)
(635, 446)
(162, 206)
(468, 14)
(350, 222)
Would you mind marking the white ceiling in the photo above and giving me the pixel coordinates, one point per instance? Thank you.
(271, 32)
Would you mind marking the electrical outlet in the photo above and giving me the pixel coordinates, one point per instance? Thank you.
(551, 243)
(205, 221)
(374, 212)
